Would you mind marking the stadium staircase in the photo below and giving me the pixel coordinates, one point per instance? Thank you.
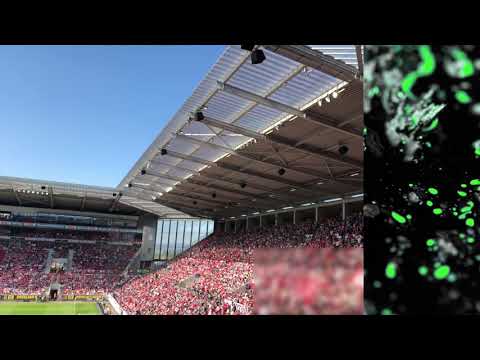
(134, 263)
(49, 261)
(71, 253)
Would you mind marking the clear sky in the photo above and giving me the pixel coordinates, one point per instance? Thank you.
(85, 114)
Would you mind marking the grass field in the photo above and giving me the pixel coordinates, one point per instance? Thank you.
(53, 308)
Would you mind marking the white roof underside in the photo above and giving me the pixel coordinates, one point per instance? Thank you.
(280, 79)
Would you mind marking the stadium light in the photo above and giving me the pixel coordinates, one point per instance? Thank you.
(355, 174)
(281, 171)
(163, 152)
(271, 210)
(357, 195)
(257, 57)
(242, 185)
(343, 149)
(287, 207)
(247, 47)
(256, 213)
(320, 183)
(214, 195)
(199, 116)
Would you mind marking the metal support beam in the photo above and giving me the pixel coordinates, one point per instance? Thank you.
(50, 193)
(213, 177)
(317, 119)
(19, 201)
(316, 60)
(84, 201)
(173, 204)
(325, 155)
(250, 173)
(115, 202)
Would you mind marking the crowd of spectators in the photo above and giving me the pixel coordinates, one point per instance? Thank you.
(302, 269)
(76, 235)
(94, 270)
(216, 276)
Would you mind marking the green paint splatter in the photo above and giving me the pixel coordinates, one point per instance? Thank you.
(373, 91)
(426, 68)
(441, 272)
(391, 270)
(463, 97)
(467, 65)
(470, 222)
(423, 270)
(470, 239)
(409, 217)
(433, 191)
(462, 193)
(431, 242)
(387, 312)
(463, 186)
(432, 125)
(437, 211)
(475, 182)
(429, 203)
(397, 217)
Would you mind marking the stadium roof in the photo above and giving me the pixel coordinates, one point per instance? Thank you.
(268, 135)
(65, 196)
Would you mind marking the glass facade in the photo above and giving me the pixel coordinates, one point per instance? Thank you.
(177, 235)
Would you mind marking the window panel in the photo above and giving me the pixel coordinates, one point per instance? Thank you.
(158, 240)
(195, 231)
(180, 229)
(165, 235)
(210, 227)
(172, 238)
(203, 229)
(188, 234)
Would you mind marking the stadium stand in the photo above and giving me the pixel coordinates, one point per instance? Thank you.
(95, 269)
(287, 142)
(216, 275)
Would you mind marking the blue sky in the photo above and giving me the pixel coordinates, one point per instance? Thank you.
(85, 114)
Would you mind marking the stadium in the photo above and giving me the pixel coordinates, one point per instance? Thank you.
(249, 201)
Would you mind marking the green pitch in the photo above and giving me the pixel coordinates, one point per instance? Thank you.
(52, 308)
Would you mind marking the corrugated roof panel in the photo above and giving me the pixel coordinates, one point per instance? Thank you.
(277, 78)
(224, 106)
(304, 88)
(345, 53)
(260, 118)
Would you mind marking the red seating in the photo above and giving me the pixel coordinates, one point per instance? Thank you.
(216, 276)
